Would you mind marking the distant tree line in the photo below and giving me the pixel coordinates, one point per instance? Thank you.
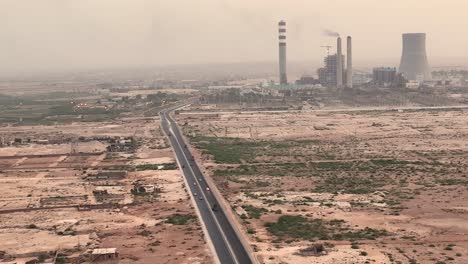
(160, 98)
(234, 95)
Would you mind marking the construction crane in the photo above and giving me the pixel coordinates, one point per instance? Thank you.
(328, 47)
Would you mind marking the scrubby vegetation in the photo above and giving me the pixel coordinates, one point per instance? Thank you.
(165, 166)
(236, 150)
(350, 184)
(227, 150)
(299, 227)
(180, 219)
(254, 212)
(276, 170)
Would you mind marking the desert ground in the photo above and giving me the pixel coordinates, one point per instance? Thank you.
(363, 186)
(71, 187)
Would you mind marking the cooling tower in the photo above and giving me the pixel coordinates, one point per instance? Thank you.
(413, 63)
(282, 53)
(339, 63)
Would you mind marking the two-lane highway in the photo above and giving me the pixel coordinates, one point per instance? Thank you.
(227, 245)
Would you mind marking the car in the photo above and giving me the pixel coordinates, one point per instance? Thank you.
(195, 194)
(207, 189)
(195, 183)
(183, 166)
(201, 198)
(214, 208)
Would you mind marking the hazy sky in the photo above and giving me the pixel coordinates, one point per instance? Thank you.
(67, 34)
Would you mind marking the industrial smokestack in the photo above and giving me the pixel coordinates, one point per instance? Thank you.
(349, 63)
(282, 53)
(413, 63)
(339, 64)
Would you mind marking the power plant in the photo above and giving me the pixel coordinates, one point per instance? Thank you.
(338, 69)
(282, 52)
(327, 76)
(414, 65)
(334, 73)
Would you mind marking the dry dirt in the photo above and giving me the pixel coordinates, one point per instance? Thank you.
(35, 176)
(399, 171)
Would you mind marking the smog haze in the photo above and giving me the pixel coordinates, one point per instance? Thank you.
(72, 34)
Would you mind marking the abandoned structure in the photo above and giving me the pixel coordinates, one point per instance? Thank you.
(100, 254)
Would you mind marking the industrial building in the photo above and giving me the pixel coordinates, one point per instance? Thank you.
(328, 74)
(333, 75)
(388, 77)
(384, 76)
(307, 80)
(414, 65)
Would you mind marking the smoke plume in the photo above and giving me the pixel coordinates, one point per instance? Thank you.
(330, 33)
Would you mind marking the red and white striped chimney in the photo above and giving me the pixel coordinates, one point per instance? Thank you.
(282, 52)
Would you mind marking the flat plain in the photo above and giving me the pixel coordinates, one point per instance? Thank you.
(73, 185)
(372, 186)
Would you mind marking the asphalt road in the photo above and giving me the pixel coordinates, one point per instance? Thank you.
(227, 245)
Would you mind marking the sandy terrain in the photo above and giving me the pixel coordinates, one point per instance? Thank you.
(37, 149)
(135, 224)
(398, 171)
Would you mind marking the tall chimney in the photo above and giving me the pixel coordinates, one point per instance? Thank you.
(349, 63)
(339, 64)
(282, 53)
